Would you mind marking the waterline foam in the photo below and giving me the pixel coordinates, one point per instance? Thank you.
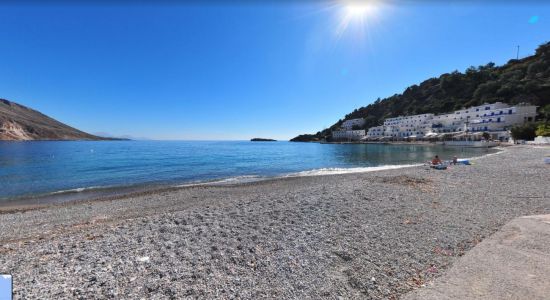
(335, 171)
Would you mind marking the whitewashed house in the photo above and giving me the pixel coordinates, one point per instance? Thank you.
(496, 118)
(348, 135)
(349, 124)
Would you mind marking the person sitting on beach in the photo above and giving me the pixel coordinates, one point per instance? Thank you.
(436, 161)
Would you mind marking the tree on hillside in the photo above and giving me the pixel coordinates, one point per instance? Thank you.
(525, 132)
(523, 80)
(543, 129)
(544, 113)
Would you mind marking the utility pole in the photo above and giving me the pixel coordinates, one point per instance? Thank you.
(517, 54)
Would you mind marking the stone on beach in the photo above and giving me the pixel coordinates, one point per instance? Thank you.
(300, 237)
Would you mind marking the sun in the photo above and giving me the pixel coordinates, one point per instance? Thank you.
(357, 16)
(358, 10)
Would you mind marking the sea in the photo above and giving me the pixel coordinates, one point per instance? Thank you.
(57, 171)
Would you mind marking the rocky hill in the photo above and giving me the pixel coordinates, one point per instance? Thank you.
(20, 123)
(523, 80)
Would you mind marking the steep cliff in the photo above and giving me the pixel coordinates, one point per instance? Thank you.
(20, 123)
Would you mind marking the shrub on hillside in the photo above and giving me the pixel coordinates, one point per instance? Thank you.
(543, 129)
(524, 132)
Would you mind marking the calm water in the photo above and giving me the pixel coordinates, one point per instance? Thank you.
(41, 168)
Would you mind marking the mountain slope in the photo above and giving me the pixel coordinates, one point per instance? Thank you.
(18, 122)
(524, 80)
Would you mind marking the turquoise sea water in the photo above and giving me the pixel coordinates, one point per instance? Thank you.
(30, 169)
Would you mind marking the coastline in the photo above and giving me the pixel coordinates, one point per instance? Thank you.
(308, 236)
(420, 143)
(105, 193)
(78, 196)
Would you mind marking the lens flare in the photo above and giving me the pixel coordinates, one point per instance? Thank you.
(358, 10)
(357, 16)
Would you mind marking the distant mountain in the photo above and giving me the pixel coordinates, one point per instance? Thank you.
(20, 123)
(121, 137)
(523, 80)
(262, 140)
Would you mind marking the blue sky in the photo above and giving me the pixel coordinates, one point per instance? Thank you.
(236, 71)
(5, 287)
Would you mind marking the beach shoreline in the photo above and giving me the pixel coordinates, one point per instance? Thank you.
(358, 235)
(119, 193)
(108, 193)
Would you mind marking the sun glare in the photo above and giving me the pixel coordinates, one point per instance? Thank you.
(357, 16)
(358, 9)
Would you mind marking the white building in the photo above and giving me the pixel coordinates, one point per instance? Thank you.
(348, 135)
(497, 118)
(348, 131)
(403, 127)
(375, 132)
(408, 121)
(503, 118)
(348, 124)
(458, 121)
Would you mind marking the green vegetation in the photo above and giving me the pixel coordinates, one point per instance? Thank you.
(543, 129)
(307, 138)
(524, 80)
(525, 132)
(544, 113)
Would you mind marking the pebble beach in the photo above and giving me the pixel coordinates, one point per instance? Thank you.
(372, 235)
